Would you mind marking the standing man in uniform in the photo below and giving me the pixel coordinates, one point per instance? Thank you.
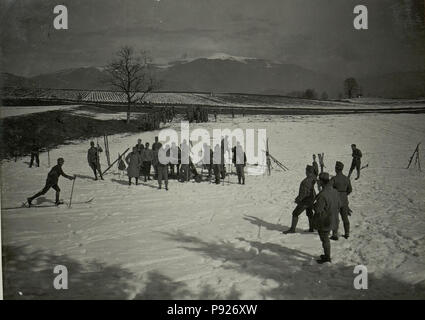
(35, 153)
(342, 184)
(356, 163)
(155, 148)
(325, 216)
(239, 159)
(52, 182)
(163, 154)
(304, 200)
(93, 159)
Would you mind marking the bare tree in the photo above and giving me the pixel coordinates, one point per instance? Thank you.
(351, 87)
(131, 74)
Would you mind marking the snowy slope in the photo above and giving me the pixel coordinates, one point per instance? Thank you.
(214, 241)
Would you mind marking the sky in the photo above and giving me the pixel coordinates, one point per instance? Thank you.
(315, 34)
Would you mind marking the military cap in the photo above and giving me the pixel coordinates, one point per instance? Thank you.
(339, 165)
(324, 176)
(309, 169)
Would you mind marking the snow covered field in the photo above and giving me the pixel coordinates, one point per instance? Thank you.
(206, 241)
(19, 111)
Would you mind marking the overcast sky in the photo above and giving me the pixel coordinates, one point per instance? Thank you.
(316, 34)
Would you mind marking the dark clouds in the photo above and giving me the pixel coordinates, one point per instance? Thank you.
(316, 34)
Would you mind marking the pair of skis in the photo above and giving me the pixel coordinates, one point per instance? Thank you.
(25, 204)
(270, 157)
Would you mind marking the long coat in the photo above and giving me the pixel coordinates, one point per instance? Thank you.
(306, 193)
(134, 162)
(343, 185)
(326, 209)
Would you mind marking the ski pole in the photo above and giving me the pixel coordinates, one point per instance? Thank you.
(72, 191)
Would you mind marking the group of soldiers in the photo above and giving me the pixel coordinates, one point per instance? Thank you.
(152, 121)
(196, 114)
(141, 159)
(323, 209)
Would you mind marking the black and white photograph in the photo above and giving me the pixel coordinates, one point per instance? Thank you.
(218, 150)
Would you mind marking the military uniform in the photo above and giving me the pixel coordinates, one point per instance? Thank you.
(326, 208)
(304, 201)
(342, 184)
(356, 163)
(52, 182)
(93, 160)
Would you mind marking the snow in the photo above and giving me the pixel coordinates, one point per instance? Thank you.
(207, 241)
(6, 112)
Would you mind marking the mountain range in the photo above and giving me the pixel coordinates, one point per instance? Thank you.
(231, 74)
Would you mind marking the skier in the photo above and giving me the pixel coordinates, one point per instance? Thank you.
(325, 216)
(239, 159)
(133, 170)
(35, 152)
(343, 185)
(52, 182)
(304, 200)
(146, 159)
(356, 163)
(163, 152)
(93, 159)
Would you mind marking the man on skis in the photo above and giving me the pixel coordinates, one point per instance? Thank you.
(52, 182)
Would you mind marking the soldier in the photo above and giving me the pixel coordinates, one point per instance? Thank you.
(184, 159)
(239, 159)
(217, 163)
(155, 147)
(304, 200)
(163, 167)
(35, 152)
(342, 184)
(325, 216)
(146, 161)
(133, 170)
(93, 159)
(215, 115)
(174, 165)
(356, 163)
(52, 182)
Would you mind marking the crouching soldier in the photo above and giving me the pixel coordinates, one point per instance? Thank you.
(52, 182)
(342, 184)
(304, 200)
(93, 159)
(325, 217)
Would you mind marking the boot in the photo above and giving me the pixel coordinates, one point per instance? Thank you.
(29, 200)
(293, 225)
(334, 237)
(324, 259)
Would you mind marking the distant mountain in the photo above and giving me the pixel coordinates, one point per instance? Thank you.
(78, 78)
(225, 73)
(8, 79)
(395, 85)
